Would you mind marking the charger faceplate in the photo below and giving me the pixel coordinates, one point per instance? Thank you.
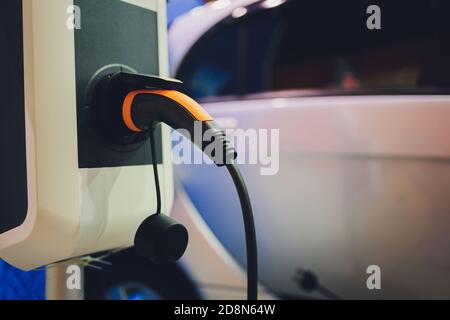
(83, 196)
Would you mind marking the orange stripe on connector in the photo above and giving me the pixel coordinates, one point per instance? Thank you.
(183, 100)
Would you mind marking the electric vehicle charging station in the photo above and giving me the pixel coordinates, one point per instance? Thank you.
(86, 168)
(76, 195)
(90, 106)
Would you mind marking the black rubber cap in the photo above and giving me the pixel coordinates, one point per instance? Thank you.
(161, 239)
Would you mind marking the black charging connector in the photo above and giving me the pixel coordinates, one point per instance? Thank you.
(128, 108)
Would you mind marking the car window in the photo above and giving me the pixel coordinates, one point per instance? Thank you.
(323, 45)
(212, 68)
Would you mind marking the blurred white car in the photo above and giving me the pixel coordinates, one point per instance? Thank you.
(364, 173)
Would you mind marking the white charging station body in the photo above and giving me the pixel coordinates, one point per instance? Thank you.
(75, 210)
